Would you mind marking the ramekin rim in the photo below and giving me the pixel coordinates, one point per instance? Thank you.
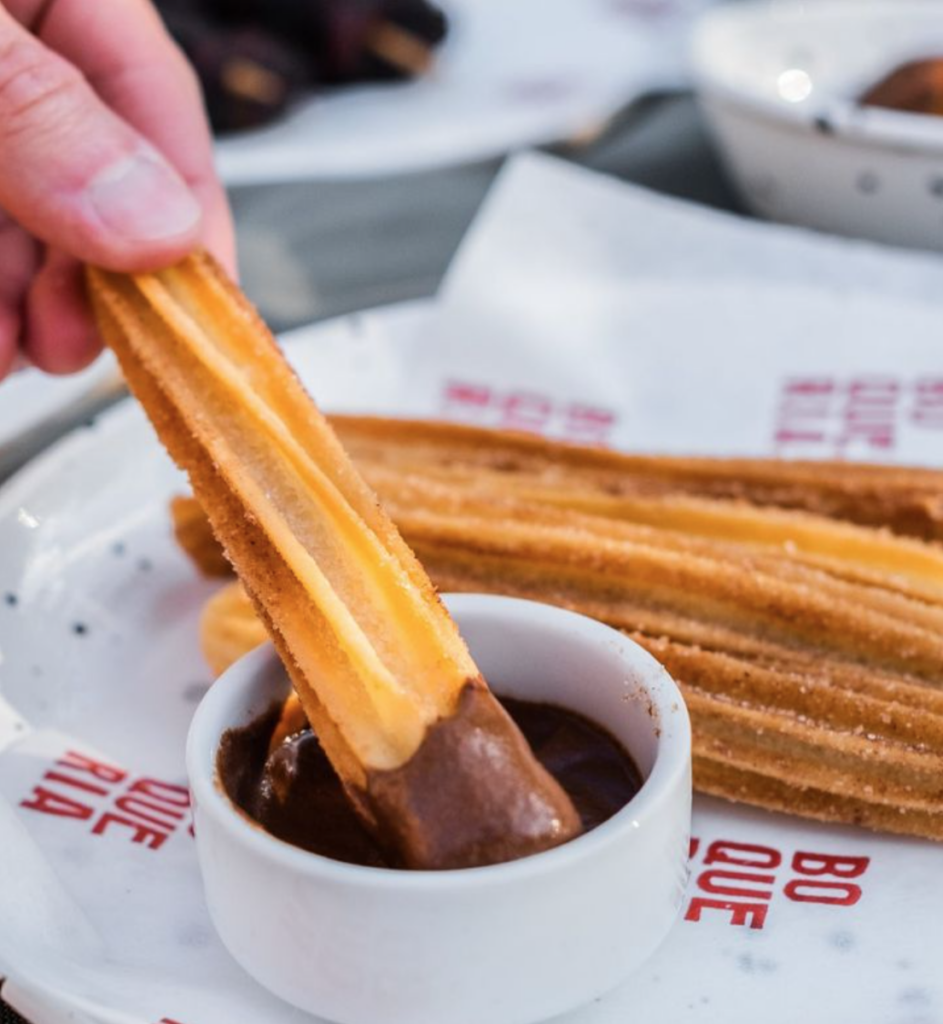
(670, 769)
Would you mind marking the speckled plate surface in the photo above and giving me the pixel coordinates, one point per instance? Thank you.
(103, 921)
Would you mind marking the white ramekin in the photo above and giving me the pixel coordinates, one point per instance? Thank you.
(507, 944)
(779, 83)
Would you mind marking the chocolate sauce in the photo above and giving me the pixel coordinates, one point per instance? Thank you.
(472, 793)
(915, 88)
(295, 795)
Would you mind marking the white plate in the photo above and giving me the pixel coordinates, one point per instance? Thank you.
(779, 83)
(508, 75)
(32, 402)
(98, 624)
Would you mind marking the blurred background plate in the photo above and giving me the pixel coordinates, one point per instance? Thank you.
(781, 85)
(508, 75)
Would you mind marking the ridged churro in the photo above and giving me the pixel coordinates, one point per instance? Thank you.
(810, 649)
(398, 704)
(905, 500)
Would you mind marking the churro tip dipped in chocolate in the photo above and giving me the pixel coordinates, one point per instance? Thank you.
(432, 763)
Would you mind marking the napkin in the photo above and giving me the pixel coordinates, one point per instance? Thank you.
(594, 311)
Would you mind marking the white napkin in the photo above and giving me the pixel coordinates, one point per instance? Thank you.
(596, 311)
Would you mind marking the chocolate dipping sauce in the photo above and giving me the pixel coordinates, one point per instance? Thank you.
(295, 795)
(915, 88)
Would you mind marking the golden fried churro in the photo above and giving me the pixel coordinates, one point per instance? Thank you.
(194, 534)
(810, 649)
(376, 660)
(906, 501)
(229, 627)
(719, 779)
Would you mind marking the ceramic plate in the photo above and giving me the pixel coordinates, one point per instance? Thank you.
(102, 910)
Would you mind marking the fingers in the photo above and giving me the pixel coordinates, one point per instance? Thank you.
(134, 66)
(27, 12)
(75, 174)
(9, 330)
(107, 157)
(58, 333)
(19, 258)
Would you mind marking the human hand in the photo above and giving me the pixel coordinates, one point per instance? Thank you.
(105, 158)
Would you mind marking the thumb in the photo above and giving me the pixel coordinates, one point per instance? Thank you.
(75, 174)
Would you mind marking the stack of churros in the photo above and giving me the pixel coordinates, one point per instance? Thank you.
(433, 764)
(800, 606)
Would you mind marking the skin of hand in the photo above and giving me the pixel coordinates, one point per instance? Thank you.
(105, 158)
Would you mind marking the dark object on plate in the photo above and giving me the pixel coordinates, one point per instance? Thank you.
(255, 56)
(915, 87)
(350, 40)
(288, 786)
(248, 76)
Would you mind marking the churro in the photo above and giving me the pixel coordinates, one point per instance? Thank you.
(229, 626)
(810, 649)
(381, 671)
(907, 501)
(195, 537)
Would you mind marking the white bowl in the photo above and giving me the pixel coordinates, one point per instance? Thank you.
(506, 944)
(779, 82)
